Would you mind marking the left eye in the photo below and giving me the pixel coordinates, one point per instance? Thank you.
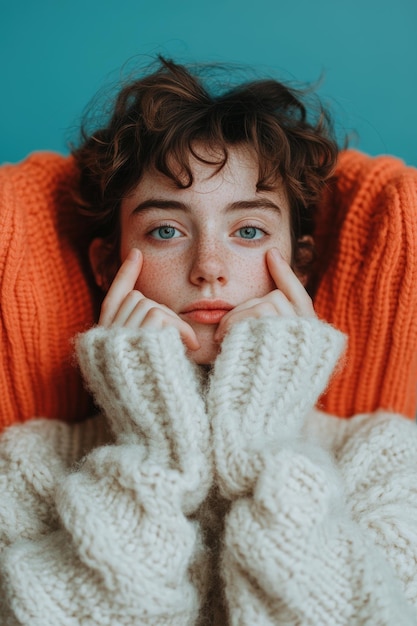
(249, 232)
(165, 232)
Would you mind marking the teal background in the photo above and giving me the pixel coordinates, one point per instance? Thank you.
(56, 55)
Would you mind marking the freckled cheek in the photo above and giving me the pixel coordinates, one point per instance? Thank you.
(158, 280)
(254, 277)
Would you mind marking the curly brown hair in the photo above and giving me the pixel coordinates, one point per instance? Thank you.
(158, 119)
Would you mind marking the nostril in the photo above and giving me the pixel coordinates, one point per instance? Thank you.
(208, 267)
(204, 279)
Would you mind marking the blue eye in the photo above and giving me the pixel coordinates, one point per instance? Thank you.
(250, 232)
(165, 232)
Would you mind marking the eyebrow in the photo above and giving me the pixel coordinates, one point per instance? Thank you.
(159, 203)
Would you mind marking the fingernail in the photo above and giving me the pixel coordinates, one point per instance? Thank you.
(133, 254)
(276, 254)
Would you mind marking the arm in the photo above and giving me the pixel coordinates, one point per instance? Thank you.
(377, 458)
(124, 546)
(293, 552)
(34, 457)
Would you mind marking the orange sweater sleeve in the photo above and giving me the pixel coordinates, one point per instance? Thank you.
(44, 293)
(367, 282)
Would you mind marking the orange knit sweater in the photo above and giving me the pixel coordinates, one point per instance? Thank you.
(365, 285)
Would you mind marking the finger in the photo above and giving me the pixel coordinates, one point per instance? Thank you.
(275, 299)
(158, 318)
(134, 308)
(287, 282)
(123, 283)
(138, 307)
(273, 305)
(136, 311)
(134, 303)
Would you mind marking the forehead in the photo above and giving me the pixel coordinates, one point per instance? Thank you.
(237, 178)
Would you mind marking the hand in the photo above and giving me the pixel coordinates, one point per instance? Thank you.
(290, 299)
(127, 307)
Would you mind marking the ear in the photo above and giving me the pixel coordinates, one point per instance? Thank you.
(103, 262)
(304, 257)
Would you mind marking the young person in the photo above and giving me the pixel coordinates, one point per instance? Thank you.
(208, 490)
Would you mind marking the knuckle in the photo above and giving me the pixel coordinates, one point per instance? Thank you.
(156, 315)
(277, 298)
(263, 307)
(133, 297)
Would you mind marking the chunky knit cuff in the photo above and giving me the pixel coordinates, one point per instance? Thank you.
(293, 556)
(149, 392)
(268, 376)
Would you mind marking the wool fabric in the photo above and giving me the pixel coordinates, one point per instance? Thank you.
(364, 284)
(311, 518)
(45, 294)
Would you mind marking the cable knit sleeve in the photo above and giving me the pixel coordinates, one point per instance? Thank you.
(310, 538)
(378, 461)
(268, 376)
(122, 547)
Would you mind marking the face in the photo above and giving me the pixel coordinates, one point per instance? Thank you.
(204, 247)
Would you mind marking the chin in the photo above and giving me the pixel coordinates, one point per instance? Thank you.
(206, 355)
(203, 357)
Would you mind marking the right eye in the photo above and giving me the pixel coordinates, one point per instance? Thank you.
(165, 232)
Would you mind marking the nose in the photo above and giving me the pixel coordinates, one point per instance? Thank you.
(209, 264)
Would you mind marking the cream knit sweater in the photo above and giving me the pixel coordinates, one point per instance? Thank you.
(223, 502)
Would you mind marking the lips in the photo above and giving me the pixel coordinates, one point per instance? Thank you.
(206, 311)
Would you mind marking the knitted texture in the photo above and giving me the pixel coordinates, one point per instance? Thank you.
(364, 285)
(294, 555)
(122, 549)
(366, 236)
(44, 296)
(264, 383)
(324, 533)
(135, 377)
(294, 552)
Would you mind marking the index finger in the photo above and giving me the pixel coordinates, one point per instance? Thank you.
(288, 282)
(123, 283)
